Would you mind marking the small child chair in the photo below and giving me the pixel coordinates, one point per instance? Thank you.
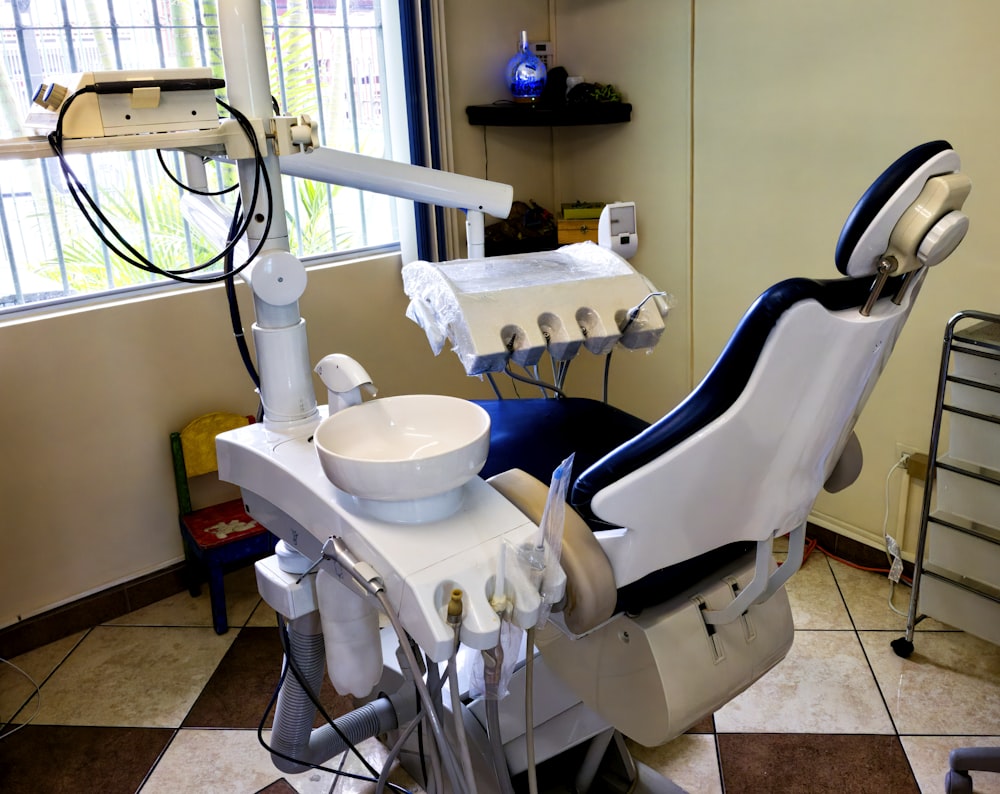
(217, 537)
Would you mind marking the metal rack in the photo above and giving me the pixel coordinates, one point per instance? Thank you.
(957, 569)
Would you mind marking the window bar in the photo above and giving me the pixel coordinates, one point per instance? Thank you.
(279, 61)
(387, 151)
(328, 188)
(174, 156)
(12, 262)
(91, 175)
(20, 29)
(201, 29)
(354, 109)
(133, 157)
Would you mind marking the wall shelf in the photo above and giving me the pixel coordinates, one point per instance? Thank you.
(512, 114)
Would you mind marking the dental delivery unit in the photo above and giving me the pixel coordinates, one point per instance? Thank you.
(549, 574)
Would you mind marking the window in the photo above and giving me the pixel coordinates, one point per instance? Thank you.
(327, 62)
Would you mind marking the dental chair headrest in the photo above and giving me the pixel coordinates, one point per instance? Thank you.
(910, 213)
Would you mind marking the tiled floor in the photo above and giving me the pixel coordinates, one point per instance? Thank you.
(157, 702)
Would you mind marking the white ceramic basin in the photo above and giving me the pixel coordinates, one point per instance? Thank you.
(406, 448)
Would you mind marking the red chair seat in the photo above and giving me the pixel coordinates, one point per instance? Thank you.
(220, 524)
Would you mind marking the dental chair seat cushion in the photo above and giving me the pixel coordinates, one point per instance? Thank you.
(536, 435)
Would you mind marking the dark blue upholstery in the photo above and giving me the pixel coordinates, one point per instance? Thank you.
(723, 384)
(536, 435)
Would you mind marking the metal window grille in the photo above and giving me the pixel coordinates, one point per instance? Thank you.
(327, 61)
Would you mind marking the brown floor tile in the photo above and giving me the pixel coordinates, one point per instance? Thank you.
(239, 691)
(278, 787)
(814, 764)
(704, 725)
(59, 758)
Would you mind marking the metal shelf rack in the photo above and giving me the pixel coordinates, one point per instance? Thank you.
(957, 569)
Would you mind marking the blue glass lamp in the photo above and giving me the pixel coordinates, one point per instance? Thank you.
(525, 73)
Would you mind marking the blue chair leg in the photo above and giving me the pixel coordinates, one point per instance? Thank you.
(192, 569)
(217, 594)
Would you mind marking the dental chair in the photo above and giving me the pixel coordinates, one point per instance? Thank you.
(674, 604)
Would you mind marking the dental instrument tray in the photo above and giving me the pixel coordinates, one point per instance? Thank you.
(516, 307)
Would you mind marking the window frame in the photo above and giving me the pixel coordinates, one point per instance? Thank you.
(392, 78)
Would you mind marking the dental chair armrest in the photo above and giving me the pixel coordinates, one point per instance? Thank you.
(764, 583)
(591, 593)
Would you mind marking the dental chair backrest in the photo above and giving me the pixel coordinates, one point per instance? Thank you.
(745, 455)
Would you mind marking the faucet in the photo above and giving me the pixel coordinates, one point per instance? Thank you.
(344, 379)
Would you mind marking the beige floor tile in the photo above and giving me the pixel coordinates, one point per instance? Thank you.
(950, 685)
(181, 609)
(263, 616)
(928, 756)
(212, 761)
(814, 597)
(132, 677)
(824, 685)
(15, 689)
(867, 597)
(690, 761)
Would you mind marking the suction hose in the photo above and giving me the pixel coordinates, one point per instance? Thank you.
(292, 732)
(294, 712)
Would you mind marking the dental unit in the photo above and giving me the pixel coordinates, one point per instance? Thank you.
(637, 557)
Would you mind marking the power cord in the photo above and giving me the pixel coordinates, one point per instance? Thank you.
(36, 695)
(291, 665)
(102, 225)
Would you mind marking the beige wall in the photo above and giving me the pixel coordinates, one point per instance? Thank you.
(756, 126)
(85, 478)
(798, 106)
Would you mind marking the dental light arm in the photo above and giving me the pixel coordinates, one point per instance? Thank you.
(475, 196)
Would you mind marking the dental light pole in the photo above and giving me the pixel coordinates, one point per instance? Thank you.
(278, 279)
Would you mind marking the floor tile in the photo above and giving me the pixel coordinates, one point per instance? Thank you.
(814, 597)
(690, 761)
(824, 685)
(928, 756)
(181, 609)
(16, 690)
(59, 758)
(376, 754)
(135, 677)
(213, 761)
(278, 787)
(263, 616)
(814, 764)
(950, 685)
(867, 598)
(238, 693)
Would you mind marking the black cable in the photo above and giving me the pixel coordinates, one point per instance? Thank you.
(533, 381)
(173, 178)
(80, 194)
(300, 678)
(299, 761)
(234, 306)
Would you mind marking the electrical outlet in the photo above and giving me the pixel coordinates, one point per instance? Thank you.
(545, 51)
(915, 460)
(905, 450)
